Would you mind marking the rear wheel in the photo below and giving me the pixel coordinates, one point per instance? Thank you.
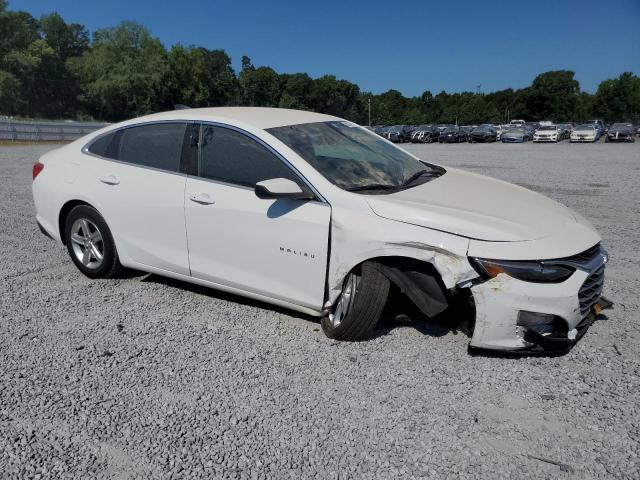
(360, 305)
(90, 244)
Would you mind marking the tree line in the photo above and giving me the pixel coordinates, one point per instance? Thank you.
(53, 69)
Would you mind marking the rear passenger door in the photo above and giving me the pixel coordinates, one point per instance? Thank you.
(276, 248)
(139, 189)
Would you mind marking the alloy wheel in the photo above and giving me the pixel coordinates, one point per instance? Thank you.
(345, 302)
(87, 243)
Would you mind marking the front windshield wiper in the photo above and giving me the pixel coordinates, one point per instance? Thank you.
(417, 175)
(372, 186)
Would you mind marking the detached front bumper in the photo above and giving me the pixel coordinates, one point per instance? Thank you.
(525, 317)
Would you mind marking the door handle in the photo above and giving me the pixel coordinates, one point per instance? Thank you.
(110, 180)
(201, 198)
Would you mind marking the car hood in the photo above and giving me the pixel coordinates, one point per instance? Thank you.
(475, 206)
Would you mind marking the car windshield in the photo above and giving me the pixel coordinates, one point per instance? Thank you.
(515, 130)
(353, 158)
(548, 127)
(482, 129)
(585, 127)
(621, 125)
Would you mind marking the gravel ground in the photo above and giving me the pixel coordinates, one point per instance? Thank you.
(146, 377)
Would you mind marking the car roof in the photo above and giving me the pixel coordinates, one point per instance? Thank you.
(258, 117)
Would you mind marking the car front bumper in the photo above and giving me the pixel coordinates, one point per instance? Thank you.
(503, 302)
(583, 139)
(621, 138)
(545, 139)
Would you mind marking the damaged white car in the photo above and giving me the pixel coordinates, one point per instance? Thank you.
(319, 215)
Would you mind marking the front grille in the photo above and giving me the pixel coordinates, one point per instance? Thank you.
(591, 290)
(593, 262)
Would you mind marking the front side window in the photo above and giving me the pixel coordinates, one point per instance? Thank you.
(352, 157)
(232, 157)
(157, 145)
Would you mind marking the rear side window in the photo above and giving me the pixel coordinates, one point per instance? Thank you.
(158, 145)
(106, 146)
(231, 157)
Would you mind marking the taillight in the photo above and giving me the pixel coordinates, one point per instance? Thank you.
(37, 168)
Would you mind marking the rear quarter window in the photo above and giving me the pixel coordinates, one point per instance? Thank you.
(105, 146)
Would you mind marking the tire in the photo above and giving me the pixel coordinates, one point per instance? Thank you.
(88, 237)
(364, 296)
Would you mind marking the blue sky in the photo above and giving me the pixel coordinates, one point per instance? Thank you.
(411, 46)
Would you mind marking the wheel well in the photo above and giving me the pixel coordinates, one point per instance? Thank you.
(420, 281)
(64, 213)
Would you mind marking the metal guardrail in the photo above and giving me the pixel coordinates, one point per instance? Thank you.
(36, 131)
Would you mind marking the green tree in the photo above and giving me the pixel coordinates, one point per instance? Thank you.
(260, 87)
(123, 73)
(295, 91)
(334, 97)
(553, 96)
(9, 93)
(199, 77)
(619, 99)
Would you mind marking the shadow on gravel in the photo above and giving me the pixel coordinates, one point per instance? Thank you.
(229, 297)
(401, 312)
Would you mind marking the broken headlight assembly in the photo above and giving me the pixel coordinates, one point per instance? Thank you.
(527, 271)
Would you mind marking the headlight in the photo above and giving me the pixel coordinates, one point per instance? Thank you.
(527, 271)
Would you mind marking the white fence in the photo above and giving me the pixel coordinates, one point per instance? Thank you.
(28, 131)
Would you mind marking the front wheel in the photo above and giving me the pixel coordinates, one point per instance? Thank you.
(359, 305)
(90, 243)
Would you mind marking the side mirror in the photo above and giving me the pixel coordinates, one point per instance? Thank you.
(281, 188)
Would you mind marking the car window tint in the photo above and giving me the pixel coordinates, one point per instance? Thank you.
(158, 145)
(232, 157)
(105, 146)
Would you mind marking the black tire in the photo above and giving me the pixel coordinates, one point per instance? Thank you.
(109, 266)
(369, 301)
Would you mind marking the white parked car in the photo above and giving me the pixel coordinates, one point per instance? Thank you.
(547, 133)
(319, 215)
(585, 133)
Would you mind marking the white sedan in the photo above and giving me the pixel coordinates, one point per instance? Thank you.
(585, 133)
(316, 214)
(547, 133)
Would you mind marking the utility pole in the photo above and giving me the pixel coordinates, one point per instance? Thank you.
(478, 89)
(369, 103)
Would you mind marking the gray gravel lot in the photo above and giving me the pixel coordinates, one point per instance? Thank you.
(146, 377)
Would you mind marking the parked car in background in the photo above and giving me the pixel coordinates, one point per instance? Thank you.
(483, 134)
(398, 133)
(599, 124)
(587, 132)
(548, 133)
(452, 134)
(336, 216)
(516, 135)
(467, 129)
(425, 134)
(515, 123)
(381, 129)
(621, 132)
(566, 129)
